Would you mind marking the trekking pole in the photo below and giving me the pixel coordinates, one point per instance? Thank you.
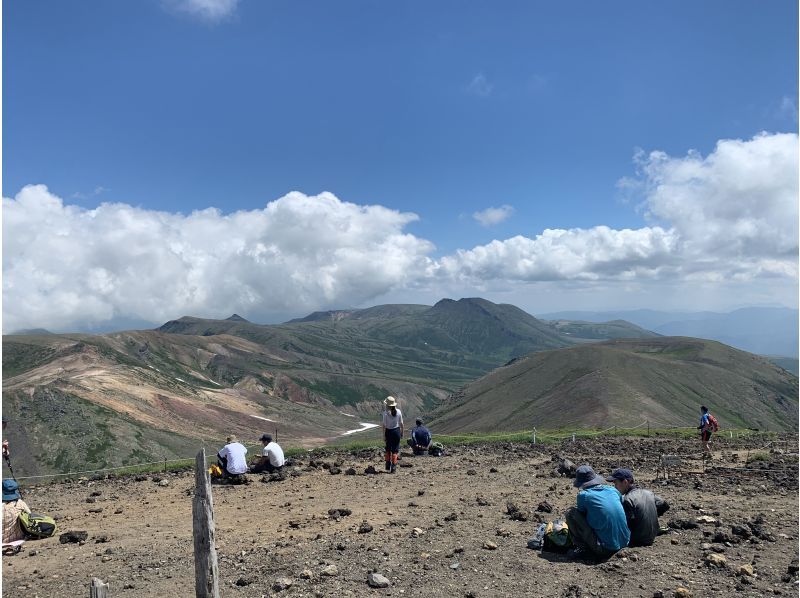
(11, 469)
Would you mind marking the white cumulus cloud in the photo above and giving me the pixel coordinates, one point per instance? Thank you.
(492, 216)
(728, 219)
(731, 215)
(65, 266)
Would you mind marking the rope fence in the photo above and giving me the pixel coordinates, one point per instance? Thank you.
(530, 435)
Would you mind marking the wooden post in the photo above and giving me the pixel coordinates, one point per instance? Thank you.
(206, 572)
(648, 427)
(98, 589)
(534, 434)
(276, 434)
(165, 464)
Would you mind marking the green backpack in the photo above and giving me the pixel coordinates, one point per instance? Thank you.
(37, 526)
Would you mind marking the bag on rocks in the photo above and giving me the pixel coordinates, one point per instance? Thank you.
(556, 536)
(436, 449)
(537, 541)
(38, 526)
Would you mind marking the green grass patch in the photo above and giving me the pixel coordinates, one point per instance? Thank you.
(755, 457)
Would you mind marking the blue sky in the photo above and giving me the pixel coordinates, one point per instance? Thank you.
(442, 110)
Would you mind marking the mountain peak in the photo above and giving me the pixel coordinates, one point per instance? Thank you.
(236, 318)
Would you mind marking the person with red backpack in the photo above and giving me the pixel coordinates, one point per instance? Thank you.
(708, 425)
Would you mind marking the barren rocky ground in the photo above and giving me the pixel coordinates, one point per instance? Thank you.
(440, 526)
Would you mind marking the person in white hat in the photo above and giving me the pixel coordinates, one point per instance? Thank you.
(392, 432)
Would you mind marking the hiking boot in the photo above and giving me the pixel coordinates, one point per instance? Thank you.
(388, 465)
(393, 469)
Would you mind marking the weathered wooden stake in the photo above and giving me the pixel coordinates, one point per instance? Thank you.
(534, 435)
(98, 589)
(206, 572)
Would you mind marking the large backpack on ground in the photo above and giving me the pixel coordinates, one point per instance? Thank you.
(556, 536)
(436, 449)
(37, 526)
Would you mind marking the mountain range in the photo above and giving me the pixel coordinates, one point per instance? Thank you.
(93, 401)
(760, 330)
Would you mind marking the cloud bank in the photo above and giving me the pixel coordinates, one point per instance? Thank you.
(727, 217)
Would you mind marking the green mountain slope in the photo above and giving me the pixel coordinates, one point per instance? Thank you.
(624, 383)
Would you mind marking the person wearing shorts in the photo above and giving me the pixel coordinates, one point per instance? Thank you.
(705, 430)
(392, 433)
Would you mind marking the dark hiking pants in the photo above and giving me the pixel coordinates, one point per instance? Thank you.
(583, 535)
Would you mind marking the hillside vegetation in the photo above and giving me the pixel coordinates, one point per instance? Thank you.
(624, 383)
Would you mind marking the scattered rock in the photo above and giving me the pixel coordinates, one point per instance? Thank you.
(282, 583)
(451, 517)
(682, 593)
(163, 483)
(91, 499)
(376, 580)
(741, 530)
(472, 472)
(492, 470)
(514, 513)
(544, 507)
(682, 524)
(244, 581)
(503, 532)
(350, 471)
(716, 560)
(329, 571)
(73, 537)
(334, 471)
(705, 519)
(489, 545)
(746, 569)
(482, 501)
(364, 528)
(370, 470)
(339, 513)
(417, 532)
(306, 574)
(455, 566)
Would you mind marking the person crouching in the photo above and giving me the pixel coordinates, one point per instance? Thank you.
(232, 458)
(597, 523)
(271, 459)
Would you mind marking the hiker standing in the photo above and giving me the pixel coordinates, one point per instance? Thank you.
(708, 425)
(392, 432)
(642, 507)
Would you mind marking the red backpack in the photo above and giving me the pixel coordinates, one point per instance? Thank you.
(713, 424)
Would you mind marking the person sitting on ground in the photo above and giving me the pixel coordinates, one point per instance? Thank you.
(421, 439)
(597, 523)
(13, 505)
(232, 457)
(641, 506)
(271, 459)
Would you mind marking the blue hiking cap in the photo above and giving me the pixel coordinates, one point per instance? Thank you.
(10, 490)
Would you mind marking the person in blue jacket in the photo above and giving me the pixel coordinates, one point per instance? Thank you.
(421, 439)
(597, 523)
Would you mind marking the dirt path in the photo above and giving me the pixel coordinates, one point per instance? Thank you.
(141, 539)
